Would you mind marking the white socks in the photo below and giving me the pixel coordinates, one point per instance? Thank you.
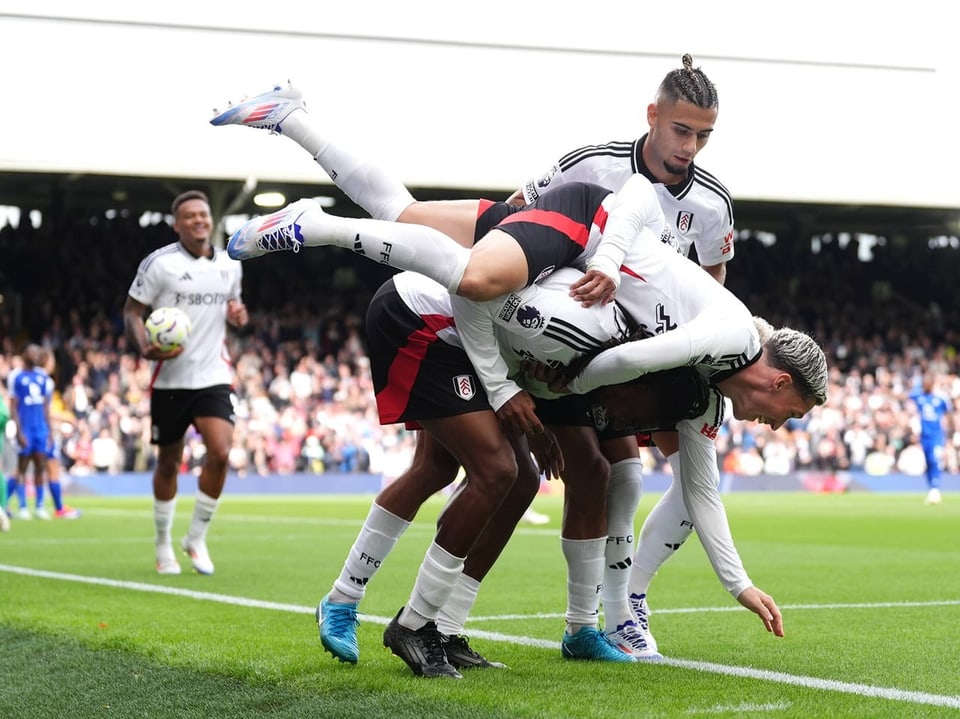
(623, 498)
(584, 581)
(203, 512)
(377, 537)
(435, 583)
(666, 528)
(406, 247)
(383, 197)
(163, 513)
(453, 615)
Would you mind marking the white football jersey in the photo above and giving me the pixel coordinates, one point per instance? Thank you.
(538, 323)
(542, 322)
(699, 210)
(690, 317)
(200, 286)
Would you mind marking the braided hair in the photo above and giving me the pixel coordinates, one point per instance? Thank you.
(689, 84)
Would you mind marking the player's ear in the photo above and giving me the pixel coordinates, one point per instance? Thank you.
(782, 381)
(652, 114)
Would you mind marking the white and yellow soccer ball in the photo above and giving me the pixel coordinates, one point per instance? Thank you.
(168, 327)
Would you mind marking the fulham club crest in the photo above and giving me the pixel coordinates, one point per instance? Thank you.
(464, 387)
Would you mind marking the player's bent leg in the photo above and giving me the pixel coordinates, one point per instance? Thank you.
(664, 531)
(433, 468)
(497, 265)
(584, 539)
(455, 218)
(491, 469)
(453, 614)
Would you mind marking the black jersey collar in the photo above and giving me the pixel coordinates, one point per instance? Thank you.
(640, 167)
(724, 374)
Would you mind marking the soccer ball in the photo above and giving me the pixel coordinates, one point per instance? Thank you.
(168, 327)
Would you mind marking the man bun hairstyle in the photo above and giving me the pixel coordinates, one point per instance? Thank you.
(689, 84)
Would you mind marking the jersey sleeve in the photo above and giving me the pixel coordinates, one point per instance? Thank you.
(634, 208)
(710, 334)
(715, 244)
(630, 360)
(144, 286)
(543, 183)
(699, 481)
(475, 326)
(237, 287)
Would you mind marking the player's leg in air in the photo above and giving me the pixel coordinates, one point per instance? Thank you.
(433, 238)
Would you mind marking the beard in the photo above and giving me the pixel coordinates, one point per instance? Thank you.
(675, 169)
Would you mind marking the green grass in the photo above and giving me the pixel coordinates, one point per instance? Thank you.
(869, 586)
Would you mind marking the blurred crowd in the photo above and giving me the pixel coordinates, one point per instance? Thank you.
(305, 400)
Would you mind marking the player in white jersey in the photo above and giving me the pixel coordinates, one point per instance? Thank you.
(190, 384)
(421, 373)
(699, 211)
(697, 207)
(771, 383)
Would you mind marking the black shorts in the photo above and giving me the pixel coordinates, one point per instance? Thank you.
(576, 411)
(172, 411)
(416, 375)
(553, 231)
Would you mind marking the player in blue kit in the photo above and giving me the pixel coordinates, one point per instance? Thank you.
(31, 389)
(4, 418)
(932, 408)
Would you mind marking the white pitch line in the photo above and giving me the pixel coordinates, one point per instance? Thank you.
(866, 690)
(738, 608)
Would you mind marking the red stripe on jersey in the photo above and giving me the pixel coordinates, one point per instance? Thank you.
(575, 231)
(483, 207)
(627, 271)
(600, 219)
(392, 400)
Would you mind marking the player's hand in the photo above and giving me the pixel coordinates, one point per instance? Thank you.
(532, 369)
(593, 287)
(518, 415)
(237, 315)
(762, 604)
(552, 377)
(546, 450)
(157, 353)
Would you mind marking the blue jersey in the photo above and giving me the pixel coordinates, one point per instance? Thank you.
(31, 390)
(933, 408)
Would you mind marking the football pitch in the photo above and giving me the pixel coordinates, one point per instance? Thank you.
(869, 585)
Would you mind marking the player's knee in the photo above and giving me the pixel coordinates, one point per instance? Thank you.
(477, 286)
(218, 455)
(495, 473)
